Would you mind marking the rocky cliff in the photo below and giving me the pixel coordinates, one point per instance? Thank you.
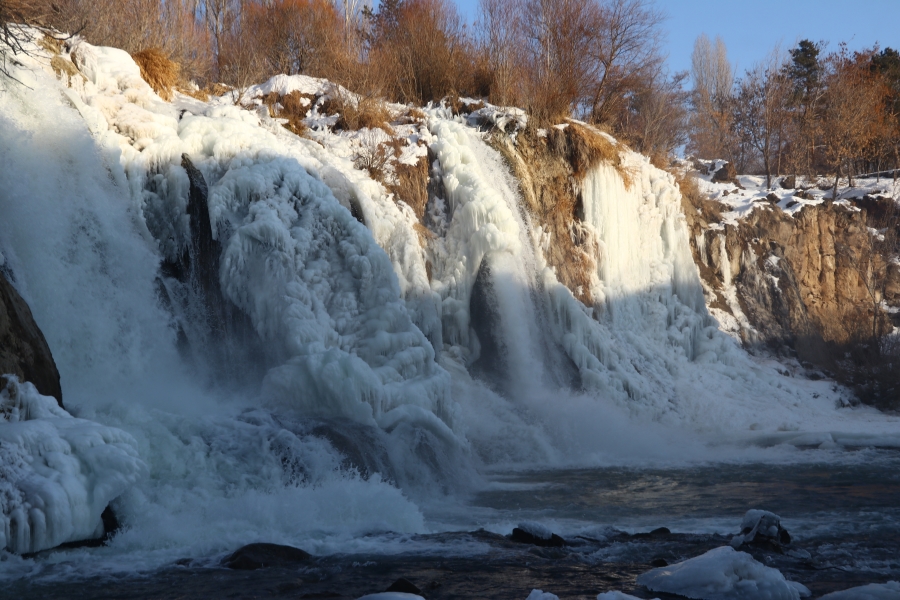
(23, 350)
(797, 281)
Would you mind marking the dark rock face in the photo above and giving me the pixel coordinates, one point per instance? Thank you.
(261, 556)
(23, 350)
(789, 182)
(218, 330)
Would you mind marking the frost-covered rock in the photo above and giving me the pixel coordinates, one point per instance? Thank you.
(873, 591)
(616, 595)
(761, 527)
(723, 574)
(537, 534)
(57, 473)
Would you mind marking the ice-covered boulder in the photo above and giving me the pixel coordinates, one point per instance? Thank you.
(761, 528)
(536, 534)
(873, 591)
(57, 473)
(723, 574)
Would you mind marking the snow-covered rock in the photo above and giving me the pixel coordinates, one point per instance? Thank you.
(723, 574)
(761, 526)
(873, 591)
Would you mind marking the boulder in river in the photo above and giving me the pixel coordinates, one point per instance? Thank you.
(261, 556)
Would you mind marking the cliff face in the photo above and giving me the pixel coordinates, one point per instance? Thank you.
(795, 281)
(23, 350)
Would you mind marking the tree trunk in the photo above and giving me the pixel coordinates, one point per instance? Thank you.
(837, 177)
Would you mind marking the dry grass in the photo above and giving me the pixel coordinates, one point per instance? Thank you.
(64, 67)
(51, 44)
(162, 73)
(201, 94)
(584, 148)
(693, 199)
(366, 111)
(411, 186)
(458, 107)
(294, 109)
(373, 156)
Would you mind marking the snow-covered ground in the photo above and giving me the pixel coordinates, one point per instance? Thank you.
(753, 193)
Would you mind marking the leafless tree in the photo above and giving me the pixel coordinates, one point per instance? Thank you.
(761, 115)
(713, 79)
(624, 53)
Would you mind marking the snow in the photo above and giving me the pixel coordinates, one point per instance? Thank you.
(57, 473)
(541, 595)
(720, 574)
(753, 196)
(873, 591)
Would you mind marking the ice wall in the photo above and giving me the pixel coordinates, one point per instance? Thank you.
(57, 473)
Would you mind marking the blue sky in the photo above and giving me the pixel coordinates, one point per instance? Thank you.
(751, 28)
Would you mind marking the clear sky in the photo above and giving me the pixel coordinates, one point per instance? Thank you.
(752, 28)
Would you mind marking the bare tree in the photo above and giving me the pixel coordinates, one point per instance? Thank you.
(656, 120)
(624, 52)
(852, 114)
(761, 115)
(501, 38)
(713, 79)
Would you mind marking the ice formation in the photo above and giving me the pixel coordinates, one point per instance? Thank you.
(720, 574)
(873, 591)
(57, 473)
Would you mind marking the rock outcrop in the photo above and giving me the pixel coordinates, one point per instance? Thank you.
(793, 282)
(23, 350)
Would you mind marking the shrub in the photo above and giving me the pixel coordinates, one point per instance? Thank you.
(373, 155)
(158, 70)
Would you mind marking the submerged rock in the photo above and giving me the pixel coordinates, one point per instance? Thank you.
(23, 350)
(262, 555)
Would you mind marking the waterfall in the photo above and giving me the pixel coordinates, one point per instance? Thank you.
(387, 369)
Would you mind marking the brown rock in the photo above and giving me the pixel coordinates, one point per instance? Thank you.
(725, 174)
(23, 350)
